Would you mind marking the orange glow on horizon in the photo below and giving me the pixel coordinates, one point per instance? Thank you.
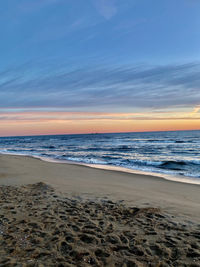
(45, 123)
(94, 126)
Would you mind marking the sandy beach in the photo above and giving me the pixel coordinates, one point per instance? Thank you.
(55, 214)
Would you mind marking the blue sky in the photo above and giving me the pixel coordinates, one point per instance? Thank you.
(99, 31)
(94, 55)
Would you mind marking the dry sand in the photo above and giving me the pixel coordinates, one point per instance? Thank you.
(69, 215)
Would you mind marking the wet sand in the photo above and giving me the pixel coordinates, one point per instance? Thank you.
(67, 215)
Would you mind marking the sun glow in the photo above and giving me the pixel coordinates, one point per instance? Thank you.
(36, 123)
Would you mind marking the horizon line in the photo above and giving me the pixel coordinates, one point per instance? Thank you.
(97, 133)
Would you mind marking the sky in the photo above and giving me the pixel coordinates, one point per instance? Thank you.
(88, 66)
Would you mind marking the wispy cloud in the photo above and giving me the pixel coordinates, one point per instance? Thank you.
(91, 116)
(102, 87)
(195, 111)
(107, 8)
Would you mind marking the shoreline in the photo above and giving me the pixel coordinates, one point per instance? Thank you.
(71, 215)
(169, 177)
(74, 179)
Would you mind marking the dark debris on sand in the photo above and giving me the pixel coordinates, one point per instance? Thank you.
(40, 228)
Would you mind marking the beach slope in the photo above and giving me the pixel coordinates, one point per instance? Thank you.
(70, 215)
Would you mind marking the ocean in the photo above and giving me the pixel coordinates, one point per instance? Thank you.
(169, 154)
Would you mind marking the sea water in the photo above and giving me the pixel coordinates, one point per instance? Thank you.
(174, 153)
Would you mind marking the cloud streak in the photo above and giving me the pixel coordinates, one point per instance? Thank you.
(102, 87)
(90, 116)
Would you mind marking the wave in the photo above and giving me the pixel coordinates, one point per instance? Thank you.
(122, 148)
(169, 153)
(180, 168)
(49, 147)
(173, 165)
(179, 165)
(169, 164)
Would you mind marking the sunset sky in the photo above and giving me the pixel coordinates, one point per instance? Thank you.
(87, 66)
